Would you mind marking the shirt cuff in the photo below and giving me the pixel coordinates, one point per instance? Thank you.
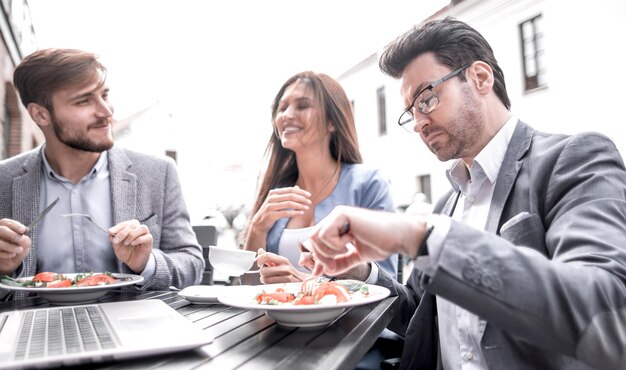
(149, 270)
(373, 278)
(441, 226)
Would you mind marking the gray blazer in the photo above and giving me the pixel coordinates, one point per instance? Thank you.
(142, 187)
(549, 273)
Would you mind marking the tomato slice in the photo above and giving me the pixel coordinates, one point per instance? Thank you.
(279, 296)
(329, 288)
(46, 277)
(97, 279)
(306, 299)
(64, 283)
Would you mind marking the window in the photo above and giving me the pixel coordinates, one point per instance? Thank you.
(382, 115)
(533, 53)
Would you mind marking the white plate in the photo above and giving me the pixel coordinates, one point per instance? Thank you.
(203, 294)
(303, 315)
(76, 294)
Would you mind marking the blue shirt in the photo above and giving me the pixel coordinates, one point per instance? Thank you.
(358, 186)
(73, 244)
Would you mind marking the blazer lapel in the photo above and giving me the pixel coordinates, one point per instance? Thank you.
(123, 186)
(518, 146)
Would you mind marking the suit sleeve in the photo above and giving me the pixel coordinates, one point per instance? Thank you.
(178, 256)
(569, 295)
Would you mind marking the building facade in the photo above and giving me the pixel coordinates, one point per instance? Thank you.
(18, 132)
(561, 63)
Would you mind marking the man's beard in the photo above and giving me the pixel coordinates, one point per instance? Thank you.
(464, 130)
(74, 141)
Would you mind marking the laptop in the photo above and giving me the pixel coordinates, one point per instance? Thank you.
(70, 335)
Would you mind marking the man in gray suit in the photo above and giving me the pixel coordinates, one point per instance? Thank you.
(136, 196)
(523, 264)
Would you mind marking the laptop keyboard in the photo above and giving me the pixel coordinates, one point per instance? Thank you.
(58, 331)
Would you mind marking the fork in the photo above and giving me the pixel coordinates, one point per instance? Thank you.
(89, 218)
(308, 285)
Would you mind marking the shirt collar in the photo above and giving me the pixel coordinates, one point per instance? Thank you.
(97, 168)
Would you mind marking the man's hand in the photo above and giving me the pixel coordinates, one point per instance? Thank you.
(373, 235)
(132, 244)
(359, 272)
(14, 245)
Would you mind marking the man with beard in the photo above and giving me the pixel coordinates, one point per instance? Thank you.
(523, 264)
(137, 197)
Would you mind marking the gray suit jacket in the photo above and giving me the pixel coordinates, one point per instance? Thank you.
(143, 187)
(549, 273)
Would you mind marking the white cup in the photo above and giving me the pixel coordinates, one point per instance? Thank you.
(234, 262)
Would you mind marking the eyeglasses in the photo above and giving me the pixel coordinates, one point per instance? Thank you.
(426, 101)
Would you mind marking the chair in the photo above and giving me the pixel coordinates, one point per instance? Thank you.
(206, 236)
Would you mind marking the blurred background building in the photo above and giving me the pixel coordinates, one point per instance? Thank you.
(561, 60)
(562, 66)
(18, 132)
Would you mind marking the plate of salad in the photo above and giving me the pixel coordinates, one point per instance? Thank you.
(70, 288)
(289, 307)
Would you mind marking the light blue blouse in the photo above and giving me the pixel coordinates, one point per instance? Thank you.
(358, 186)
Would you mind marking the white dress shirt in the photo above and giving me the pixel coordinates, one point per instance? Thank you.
(460, 331)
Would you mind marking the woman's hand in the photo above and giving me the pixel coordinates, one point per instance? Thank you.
(306, 258)
(279, 203)
(277, 269)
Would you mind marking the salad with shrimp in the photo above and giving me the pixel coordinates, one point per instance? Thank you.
(325, 292)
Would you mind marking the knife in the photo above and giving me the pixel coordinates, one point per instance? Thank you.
(43, 213)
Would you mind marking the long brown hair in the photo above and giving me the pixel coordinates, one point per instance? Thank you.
(282, 169)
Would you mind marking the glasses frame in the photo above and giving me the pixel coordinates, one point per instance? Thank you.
(409, 111)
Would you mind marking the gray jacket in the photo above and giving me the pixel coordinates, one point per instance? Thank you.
(142, 186)
(549, 273)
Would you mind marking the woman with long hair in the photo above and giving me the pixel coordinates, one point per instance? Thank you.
(314, 164)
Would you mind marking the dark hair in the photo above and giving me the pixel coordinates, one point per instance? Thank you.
(454, 43)
(44, 72)
(282, 169)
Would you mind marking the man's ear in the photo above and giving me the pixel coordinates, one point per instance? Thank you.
(39, 114)
(482, 77)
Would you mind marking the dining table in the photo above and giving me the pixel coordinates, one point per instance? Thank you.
(249, 339)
